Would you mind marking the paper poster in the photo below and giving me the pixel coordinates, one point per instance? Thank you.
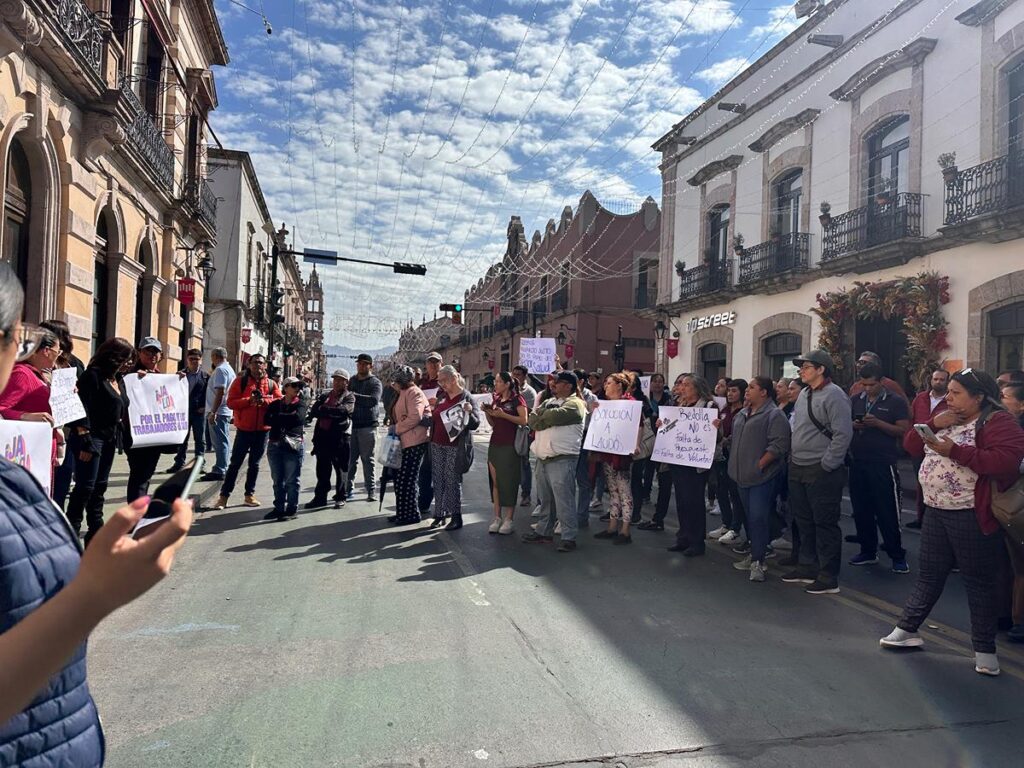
(485, 399)
(645, 385)
(614, 427)
(431, 393)
(687, 437)
(65, 405)
(538, 355)
(720, 401)
(454, 420)
(157, 408)
(29, 444)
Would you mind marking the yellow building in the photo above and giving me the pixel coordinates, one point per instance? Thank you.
(103, 131)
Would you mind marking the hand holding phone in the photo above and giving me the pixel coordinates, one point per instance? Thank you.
(177, 486)
(926, 433)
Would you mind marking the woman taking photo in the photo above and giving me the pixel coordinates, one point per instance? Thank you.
(94, 440)
(52, 597)
(286, 418)
(616, 468)
(971, 446)
(505, 414)
(410, 409)
(454, 418)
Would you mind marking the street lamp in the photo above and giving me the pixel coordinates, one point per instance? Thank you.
(561, 338)
(660, 329)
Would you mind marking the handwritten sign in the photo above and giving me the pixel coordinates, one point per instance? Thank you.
(538, 355)
(29, 444)
(65, 405)
(157, 409)
(645, 385)
(614, 427)
(687, 437)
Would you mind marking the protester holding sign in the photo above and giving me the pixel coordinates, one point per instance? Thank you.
(27, 396)
(451, 447)
(95, 438)
(537, 354)
(142, 459)
(613, 435)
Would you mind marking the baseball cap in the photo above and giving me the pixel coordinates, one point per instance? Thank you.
(151, 343)
(435, 356)
(291, 381)
(364, 358)
(341, 373)
(568, 377)
(816, 356)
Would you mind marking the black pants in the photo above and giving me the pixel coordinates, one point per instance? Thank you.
(426, 484)
(91, 479)
(332, 458)
(141, 466)
(664, 496)
(637, 471)
(197, 430)
(689, 485)
(952, 537)
(728, 496)
(875, 495)
(255, 445)
(650, 467)
(814, 497)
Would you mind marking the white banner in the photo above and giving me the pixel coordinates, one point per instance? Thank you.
(29, 444)
(645, 385)
(687, 437)
(614, 427)
(157, 408)
(538, 355)
(65, 405)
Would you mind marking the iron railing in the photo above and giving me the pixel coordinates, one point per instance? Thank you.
(646, 296)
(775, 257)
(146, 139)
(986, 188)
(706, 278)
(84, 31)
(202, 198)
(874, 224)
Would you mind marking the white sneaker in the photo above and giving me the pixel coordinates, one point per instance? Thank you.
(718, 532)
(986, 664)
(729, 537)
(558, 529)
(536, 511)
(782, 543)
(495, 525)
(742, 565)
(900, 638)
(506, 528)
(595, 505)
(714, 509)
(757, 571)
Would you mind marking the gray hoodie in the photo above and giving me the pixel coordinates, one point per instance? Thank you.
(810, 445)
(752, 435)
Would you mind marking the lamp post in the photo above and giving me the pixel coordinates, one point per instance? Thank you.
(620, 352)
(278, 244)
(186, 283)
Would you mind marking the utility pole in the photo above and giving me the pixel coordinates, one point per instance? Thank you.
(278, 239)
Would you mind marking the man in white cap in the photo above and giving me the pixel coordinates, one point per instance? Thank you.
(368, 391)
(429, 385)
(333, 413)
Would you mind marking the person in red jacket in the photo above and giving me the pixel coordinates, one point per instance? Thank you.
(927, 404)
(248, 398)
(970, 447)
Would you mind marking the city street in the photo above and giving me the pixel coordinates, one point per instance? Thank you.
(336, 640)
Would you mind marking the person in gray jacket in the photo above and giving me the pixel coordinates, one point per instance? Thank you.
(760, 443)
(822, 431)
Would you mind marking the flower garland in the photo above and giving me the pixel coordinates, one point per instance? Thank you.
(918, 300)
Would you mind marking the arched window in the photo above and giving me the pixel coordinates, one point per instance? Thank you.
(144, 294)
(718, 233)
(1007, 327)
(786, 194)
(713, 360)
(778, 350)
(100, 295)
(17, 210)
(888, 150)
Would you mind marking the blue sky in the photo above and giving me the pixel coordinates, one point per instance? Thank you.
(412, 130)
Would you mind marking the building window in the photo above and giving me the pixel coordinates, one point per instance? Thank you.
(153, 77)
(99, 286)
(713, 361)
(888, 150)
(647, 284)
(777, 351)
(718, 234)
(1007, 328)
(786, 192)
(17, 207)
(1015, 113)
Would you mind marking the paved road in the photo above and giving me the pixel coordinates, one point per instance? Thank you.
(335, 640)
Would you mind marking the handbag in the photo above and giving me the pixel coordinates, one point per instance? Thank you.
(1008, 509)
(464, 457)
(389, 452)
(645, 446)
(292, 443)
(522, 442)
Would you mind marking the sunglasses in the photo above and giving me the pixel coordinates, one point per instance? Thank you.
(971, 373)
(27, 340)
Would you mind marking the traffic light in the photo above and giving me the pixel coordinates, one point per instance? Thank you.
(456, 310)
(287, 352)
(403, 268)
(277, 304)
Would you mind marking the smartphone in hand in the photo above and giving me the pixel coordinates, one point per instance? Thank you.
(177, 486)
(926, 433)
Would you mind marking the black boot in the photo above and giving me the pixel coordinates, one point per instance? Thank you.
(455, 524)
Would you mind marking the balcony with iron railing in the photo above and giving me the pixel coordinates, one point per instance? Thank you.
(146, 139)
(873, 235)
(987, 191)
(705, 280)
(775, 260)
(202, 199)
(83, 32)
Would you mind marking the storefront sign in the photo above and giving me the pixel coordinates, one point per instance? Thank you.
(710, 321)
(246, 335)
(672, 348)
(570, 351)
(187, 290)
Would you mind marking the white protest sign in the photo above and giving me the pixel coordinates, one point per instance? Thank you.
(65, 405)
(157, 408)
(720, 402)
(29, 444)
(687, 437)
(614, 427)
(538, 355)
(481, 400)
(431, 393)
(645, 385)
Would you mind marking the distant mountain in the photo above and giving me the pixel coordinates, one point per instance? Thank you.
(345, 353)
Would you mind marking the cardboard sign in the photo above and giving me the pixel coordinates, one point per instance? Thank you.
(65, 405)
(645, 385)
(157, 408)
(614, 427)
(29, 444)
(538, 355)
(687, 437)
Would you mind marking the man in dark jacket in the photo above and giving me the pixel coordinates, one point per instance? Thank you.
(368, 391)
(333, 412)
(198, 379)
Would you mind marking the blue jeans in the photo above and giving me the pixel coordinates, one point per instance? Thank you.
(757, 502)
(584, 491)
(255, 445)
(526, 477)
(197, 428)
(556, 483)
(221, 443)
(285, 469)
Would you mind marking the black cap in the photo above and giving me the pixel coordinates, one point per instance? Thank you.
(817, 356)
(364, 358)
(568, 377)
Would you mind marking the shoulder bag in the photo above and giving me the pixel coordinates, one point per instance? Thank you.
(522, 442)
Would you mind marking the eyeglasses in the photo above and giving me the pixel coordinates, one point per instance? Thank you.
(805, 366)
(969, 371)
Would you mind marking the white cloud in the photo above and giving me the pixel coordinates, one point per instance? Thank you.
(721, 72)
